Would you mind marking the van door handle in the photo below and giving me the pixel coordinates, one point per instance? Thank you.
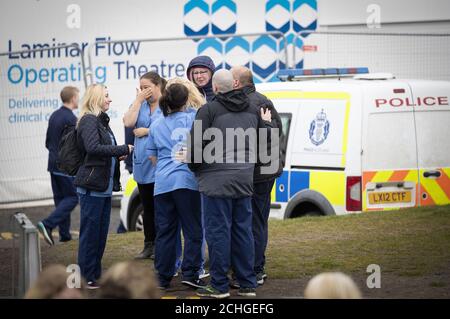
(432, 173)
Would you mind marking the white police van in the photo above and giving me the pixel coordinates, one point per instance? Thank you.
(360, 142)
(354, 142)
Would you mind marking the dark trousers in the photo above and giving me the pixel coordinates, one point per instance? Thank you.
(182, 206)
(94, 223)
(228, 224)
(261, 211)
(147, 200)
(66, 199)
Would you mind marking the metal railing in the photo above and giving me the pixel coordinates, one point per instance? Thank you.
(412, 54)
(90, 67)
(29, 255)
(73, 45)
(26, 75)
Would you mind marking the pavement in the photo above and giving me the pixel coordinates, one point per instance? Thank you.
(36, 214)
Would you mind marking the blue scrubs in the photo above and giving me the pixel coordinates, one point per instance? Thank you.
(177, 200)
(143, 170)
(168, 135)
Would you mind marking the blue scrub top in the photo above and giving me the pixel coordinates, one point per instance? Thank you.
(168, 135)
(143, 170)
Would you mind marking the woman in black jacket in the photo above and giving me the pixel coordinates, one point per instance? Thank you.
(96, 179)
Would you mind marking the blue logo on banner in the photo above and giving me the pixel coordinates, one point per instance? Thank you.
(218, 17)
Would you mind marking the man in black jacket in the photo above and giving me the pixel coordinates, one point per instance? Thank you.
(224, 170)
(64, 192)
(263, 182)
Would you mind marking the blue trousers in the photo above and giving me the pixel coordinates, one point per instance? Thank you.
(228, 224)
(182, 206)
(261, 211)
(95, 214)
(66, 199)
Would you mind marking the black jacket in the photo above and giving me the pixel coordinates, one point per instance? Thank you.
(57, 122)
(94, 139)
(225, 179)
(260, 101)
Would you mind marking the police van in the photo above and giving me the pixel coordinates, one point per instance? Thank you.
(360, 142)
(354, 141)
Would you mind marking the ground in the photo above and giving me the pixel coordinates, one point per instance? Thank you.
(412, 248)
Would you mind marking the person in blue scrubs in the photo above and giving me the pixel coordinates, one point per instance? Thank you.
(142, 113)
(195, 101)
(177, 200)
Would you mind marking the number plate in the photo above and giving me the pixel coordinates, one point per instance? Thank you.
(389, 197)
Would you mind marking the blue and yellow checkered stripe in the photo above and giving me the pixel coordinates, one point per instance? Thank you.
(330, 184)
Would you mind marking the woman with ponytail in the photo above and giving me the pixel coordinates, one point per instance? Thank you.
(143, 111)
(177, 200)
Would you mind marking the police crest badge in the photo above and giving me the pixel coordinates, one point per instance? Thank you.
(319, 129)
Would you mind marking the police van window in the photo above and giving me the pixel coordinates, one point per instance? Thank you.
(286, 122)
(433, 142)
(391, 141)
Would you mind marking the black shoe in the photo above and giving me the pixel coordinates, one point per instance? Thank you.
(260, 278)
(211, 292)
(247, 292)
(64, 240)
(203, 274)
(46, 232)
(91, 285)
(148, 252)
(195, 283)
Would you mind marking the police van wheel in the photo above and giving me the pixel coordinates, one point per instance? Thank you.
(312, 213)
(306, 210)
(136, 219)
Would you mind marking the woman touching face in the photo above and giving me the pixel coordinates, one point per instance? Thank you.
(152, 91)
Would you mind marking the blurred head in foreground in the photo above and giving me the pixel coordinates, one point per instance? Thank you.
(53, 283)
(334, 285)
(129, 280)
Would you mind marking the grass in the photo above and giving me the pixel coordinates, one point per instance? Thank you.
(411, 242)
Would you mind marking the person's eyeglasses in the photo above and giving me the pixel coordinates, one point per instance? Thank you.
(197, 73)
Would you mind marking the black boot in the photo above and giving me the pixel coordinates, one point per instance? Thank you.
(148, 252)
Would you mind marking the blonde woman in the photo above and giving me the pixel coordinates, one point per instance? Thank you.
(332, 285)
(129, 280)
(195, 99)
(52, 284)
(96, 179)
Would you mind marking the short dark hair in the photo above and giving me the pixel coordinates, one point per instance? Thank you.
(67, 93)
(173, 98)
